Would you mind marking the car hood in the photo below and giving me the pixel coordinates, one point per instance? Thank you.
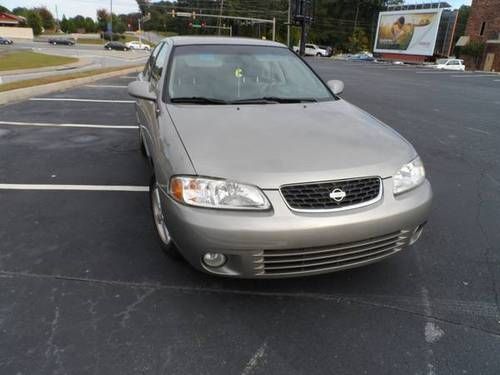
(276, 144)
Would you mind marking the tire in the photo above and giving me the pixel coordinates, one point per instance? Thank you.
(318, 54)
(166, 243)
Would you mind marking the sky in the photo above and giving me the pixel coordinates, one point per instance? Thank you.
(88, 8)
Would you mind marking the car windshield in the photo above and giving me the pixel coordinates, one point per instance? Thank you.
(225, 74)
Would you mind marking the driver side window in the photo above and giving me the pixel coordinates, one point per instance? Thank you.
(151, 61)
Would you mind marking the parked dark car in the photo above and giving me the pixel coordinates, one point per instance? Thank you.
(5, 41)
(64, 41)
(116, 46)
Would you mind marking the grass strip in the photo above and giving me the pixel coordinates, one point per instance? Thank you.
(31, 60)
(58, 78)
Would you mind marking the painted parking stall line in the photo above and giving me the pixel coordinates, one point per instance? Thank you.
(82, 100)
(106, 86)
(45, 124)
(473, 75)
(56, 187)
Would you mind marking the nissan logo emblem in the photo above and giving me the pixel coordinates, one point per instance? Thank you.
(338, 195)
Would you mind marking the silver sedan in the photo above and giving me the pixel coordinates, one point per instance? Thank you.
(262, 171)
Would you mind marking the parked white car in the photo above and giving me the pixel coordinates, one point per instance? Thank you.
(312, 50)
(138, 45)
(450, 64)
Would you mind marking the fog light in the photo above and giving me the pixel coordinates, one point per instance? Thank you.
(214, 260)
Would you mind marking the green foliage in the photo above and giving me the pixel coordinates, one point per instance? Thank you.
(35, 22)
(4, 9)
(21, 11)
(358, 41)
(473, 49)
(48, 21)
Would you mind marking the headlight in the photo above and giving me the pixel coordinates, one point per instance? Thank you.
(214, 193)
(409, 176)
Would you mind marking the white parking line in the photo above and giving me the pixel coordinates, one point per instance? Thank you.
(74, 187)
(17, 123)
(82, 100)
(473, 76)
(478, 130)
(107, 86)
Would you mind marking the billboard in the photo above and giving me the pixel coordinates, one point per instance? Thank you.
(409, 32)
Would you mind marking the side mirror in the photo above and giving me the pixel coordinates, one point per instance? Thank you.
(140, 90)
(336, 86)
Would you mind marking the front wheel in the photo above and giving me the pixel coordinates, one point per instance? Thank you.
(160, 222)
(318, 54)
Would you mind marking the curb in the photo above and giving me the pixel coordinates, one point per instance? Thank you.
(13, 96)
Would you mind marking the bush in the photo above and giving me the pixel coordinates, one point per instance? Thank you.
(474, 50)
(116, 36)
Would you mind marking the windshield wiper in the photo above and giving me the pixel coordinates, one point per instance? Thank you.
(273, 99)
(198, 100)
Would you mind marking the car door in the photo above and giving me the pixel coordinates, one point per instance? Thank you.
(155, 115)
(453, 65)
(310, 50)
(143, 106)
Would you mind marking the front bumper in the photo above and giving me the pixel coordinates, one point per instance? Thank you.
(283, 243)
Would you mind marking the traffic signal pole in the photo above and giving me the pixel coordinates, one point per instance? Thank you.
(219, 17)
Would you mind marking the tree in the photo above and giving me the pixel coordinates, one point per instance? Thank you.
(48, 21)
(102, 19)
(21, 11)
(90, 25)
(35, 22)
(358, 41)
(4, 9)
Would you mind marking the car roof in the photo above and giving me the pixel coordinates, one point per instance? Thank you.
(200, 40)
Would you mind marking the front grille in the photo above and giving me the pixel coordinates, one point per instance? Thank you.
(296, 262)
(316, 196)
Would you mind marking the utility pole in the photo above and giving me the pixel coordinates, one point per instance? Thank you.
(220, 15)
(289, 23)
(356, 16)
(58, 24)
(110, 20)
(304, 17)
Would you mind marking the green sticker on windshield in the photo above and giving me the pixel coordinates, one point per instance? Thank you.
(238, 73)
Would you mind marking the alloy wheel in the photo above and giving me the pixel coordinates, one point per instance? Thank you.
(159, 218)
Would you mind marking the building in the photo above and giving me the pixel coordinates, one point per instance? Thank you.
(484, 26)
(7, 19)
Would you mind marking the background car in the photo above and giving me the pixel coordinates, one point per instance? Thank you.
(138, 45)
(313, 50)
(63, 41)
(5, 41)
(119, 46)
(328, 49)
(450, 64)
(361, 57)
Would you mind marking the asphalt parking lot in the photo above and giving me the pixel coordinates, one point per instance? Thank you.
(85, 288)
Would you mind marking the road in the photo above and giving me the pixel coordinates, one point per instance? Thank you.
(92, 57)
(85, 287)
